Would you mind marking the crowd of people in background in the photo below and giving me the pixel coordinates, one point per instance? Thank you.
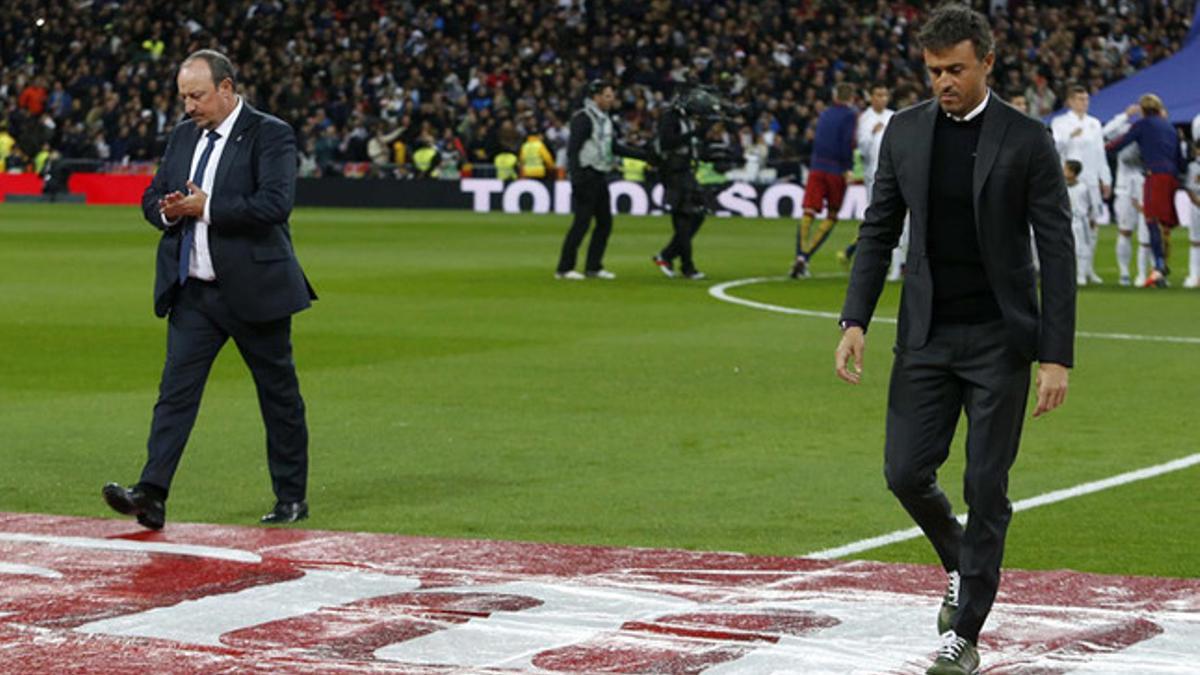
(433, 88)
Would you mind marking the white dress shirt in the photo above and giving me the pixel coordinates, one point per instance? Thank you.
(200, 266)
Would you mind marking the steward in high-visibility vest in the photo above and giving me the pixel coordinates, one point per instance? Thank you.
(633, 169)
(506, 165)
(423, 160)
(536, 159)
(707, 174)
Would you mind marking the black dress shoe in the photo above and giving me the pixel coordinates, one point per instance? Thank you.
(150, 512)
(286, 512)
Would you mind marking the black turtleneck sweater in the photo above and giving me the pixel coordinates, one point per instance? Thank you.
(961, 292)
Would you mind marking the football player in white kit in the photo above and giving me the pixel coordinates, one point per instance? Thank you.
(868, 135)
(1079, 136)
(1084, 210)
(1127, 200)
(1193, 190)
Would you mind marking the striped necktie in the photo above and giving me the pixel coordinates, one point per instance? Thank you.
(189, 231)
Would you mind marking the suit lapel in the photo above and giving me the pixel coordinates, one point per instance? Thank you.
(995, 123)
(922, 162)
(185, 160)
(233, 144)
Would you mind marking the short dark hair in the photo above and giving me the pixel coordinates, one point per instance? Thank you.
(1075, 166)
(1076, 89)
(220, 65)
(843, 92)
(597, 86)
(952, 23)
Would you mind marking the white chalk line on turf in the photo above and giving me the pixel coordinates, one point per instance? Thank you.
(719, 291)
(232, 554)
(1022, 505)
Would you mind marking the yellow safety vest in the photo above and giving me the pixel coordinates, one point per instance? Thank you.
(633, 169)
(423, 158)
(707, 174)
(506, 166)
(533, 158)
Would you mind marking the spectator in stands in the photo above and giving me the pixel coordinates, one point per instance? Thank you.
(17, 161)
(1159, 145)
(833, 150)
(7, 143)
(301, 60)
(379, 147)
(33, 97)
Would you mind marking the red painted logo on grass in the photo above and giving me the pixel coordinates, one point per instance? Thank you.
(104, 596)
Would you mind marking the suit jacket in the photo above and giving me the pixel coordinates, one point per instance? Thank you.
(251, 245)
(1018, 182)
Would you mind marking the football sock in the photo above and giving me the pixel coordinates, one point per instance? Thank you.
(823, 231)
(1124, 252)
(802, 234)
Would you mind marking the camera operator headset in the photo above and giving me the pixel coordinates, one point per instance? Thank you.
(681, 144)
(592, 149)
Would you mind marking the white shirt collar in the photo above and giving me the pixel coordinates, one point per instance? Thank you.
(226, 126)
(976, 112)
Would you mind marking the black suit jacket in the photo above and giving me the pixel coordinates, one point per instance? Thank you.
(251, 245)
(1018, 182)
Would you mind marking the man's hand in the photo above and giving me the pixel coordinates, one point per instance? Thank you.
(877, 128)
(166, 201)
(1051, 387)
(191, 204)
(851, 348)
(1133, 109)
(1078, 131)
(1106, 191)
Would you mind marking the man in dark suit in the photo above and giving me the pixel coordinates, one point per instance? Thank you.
(225, 269)
(975, 173)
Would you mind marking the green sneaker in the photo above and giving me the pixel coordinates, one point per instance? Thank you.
(949, 604)
(957, 656)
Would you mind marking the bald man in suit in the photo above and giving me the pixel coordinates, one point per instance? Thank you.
(225, 269)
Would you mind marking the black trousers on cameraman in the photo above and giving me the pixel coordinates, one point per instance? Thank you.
(589, 199)
(685, 201)
(686, 225)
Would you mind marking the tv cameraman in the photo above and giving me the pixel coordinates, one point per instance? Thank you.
(684, 132)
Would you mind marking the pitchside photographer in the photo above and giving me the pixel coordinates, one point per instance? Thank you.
(688, 134)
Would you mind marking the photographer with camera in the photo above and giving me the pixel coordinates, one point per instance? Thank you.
(686, 136)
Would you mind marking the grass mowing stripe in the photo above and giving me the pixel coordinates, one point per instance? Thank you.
(1022, 505)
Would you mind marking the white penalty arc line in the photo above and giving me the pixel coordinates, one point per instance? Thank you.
(719, 291)
(1022, 505)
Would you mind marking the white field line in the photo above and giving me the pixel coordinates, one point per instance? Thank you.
(232, 554)
(719, 291)
(1022, 505)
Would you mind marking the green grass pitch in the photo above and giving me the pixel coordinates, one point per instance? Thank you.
(456, 389)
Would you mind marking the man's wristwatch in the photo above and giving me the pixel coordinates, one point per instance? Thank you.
(849, 323)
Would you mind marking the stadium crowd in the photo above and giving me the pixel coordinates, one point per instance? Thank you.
(408, 87)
